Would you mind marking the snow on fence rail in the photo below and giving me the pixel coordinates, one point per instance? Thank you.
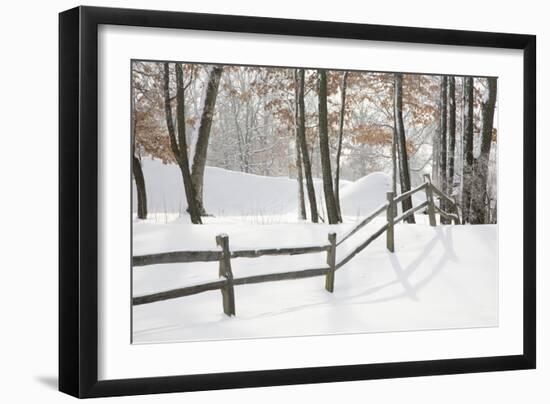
(209, 256)
(226, 283)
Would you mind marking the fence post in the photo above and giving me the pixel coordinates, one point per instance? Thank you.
(228, 293)
(390, 216)
(455, 209)
(430, 199)
(331, 261)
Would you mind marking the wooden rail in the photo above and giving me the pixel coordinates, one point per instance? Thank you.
(281, 276)
(362, 246)
(410, 212)
(449, 216)
(278, 251)
(175, 257)
(227, 282)
(401, 197)
(454, 213)
(210, 256)
(439, 193)
(181, 292)
(364, 222)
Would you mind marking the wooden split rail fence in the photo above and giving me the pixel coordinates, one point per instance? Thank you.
(226, 282)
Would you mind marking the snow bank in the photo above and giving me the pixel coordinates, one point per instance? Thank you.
(366, 194)
(225, 192)
(232, 193)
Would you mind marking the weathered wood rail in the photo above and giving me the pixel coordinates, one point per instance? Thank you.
(226, 283)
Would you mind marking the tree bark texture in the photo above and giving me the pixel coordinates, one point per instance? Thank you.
(340, 138)
(468, 145)
(394, 159)
(402, 144)
(179, 145)
(140, 187)
(442, 177)
(332, 213)
(481, 164)
(451, 127)
(300, 175)
(301, 133)
(139, 179)
(203, 135)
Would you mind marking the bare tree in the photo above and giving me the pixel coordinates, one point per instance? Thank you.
(301, 134)
(299, 170)
(324, 150)
(468, 147)
(137, 173)
(442, 177)
(481, 164)
(394, 159)
(451, 127)
(340, 138)
(203, 135)
(179, 145)
(402, 144)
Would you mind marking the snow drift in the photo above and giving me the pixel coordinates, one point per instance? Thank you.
(363, 196)
(232, 193)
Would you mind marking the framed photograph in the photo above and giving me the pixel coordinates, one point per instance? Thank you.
(251, 201)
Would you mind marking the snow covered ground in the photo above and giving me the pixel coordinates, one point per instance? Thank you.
(442, 277)
(439, 277)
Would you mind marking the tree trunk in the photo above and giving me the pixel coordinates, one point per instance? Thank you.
(324, 150)
(301, 134)
(300, 177)
(203, 135)
(179, 145)
(339, 150)
(402, 144)
(435, 156)
(451, 127)
(468, 144)
(442, 177)
(481, 164)
(140, 187)
(394, 161)
(436, 149)
(139, 179)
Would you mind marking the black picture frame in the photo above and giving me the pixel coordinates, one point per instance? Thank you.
(78, 201)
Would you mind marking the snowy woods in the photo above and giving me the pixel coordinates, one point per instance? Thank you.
(320, 128)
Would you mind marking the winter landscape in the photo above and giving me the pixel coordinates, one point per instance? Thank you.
(274, 202)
